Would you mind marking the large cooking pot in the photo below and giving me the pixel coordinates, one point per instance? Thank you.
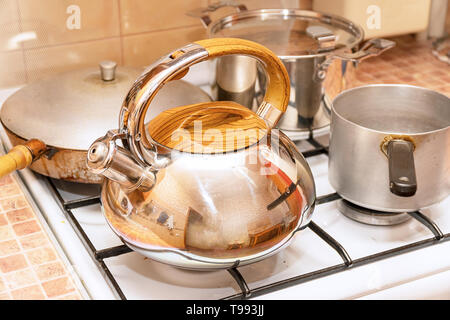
(314, 47)
(207, 185)
(64, 113)
(390, 147)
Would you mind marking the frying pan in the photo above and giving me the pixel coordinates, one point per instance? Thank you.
(52, 122)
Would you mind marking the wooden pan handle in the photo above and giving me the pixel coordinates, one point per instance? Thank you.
(276, 98)
(21, 156)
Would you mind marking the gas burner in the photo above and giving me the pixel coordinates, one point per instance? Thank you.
(369, 216)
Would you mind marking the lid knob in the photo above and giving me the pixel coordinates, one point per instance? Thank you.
(108, 70)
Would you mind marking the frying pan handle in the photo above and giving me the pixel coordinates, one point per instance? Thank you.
(21, 156)
(402, 174)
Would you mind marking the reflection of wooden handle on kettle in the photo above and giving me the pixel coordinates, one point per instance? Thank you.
(21, 156)
(278, 87)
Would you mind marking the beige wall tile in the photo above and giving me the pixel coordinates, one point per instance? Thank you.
(142, 50)
(151, 15)
(47, 61)
(48, 19)
(9, 25)
(12, 71)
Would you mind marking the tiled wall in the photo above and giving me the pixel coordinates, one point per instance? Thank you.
(39, 38)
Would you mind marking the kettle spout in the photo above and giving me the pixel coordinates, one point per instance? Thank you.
(116, 163)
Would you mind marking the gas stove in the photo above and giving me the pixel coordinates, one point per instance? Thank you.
(335, 257)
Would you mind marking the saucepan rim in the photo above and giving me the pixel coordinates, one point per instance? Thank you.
(349, 91)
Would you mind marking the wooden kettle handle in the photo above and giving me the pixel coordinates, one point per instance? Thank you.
(175, 65)
(21, 156)
(276, 98)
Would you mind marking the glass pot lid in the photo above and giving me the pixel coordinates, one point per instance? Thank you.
(290, 32)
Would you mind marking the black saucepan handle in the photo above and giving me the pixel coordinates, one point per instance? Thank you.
(402, 173)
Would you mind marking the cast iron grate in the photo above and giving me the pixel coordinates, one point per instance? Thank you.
(99, 256)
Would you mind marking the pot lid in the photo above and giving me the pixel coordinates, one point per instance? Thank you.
(290, 32)
(72, 109)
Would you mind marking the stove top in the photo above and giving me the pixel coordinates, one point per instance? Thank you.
(330, 245)
(335, 257)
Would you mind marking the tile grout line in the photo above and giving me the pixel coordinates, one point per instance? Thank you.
(67, 273)
(62, 296)
(160, 30)
(122, 57)
(18, 222)
(32, 268)
(9, 197)
(25, 65)
(105, 38)
(29, 250)
(25, 256)
(49, 46)
(9, 210)
(29, 266)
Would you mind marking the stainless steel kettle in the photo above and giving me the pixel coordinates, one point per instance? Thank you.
(209, 185)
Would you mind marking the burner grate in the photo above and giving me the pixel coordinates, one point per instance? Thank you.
(99, 256)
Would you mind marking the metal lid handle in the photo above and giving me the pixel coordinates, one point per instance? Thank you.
(203, 13)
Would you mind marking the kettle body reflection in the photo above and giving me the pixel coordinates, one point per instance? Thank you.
(204, 186)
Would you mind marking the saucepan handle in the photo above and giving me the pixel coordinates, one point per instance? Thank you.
(203, 13)
(371, 48)
(402, 174)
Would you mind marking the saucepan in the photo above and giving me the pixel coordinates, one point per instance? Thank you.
(390, 147)
(52, 122)
(317, 49)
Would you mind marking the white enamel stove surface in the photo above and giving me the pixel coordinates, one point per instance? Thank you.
(422, 273)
